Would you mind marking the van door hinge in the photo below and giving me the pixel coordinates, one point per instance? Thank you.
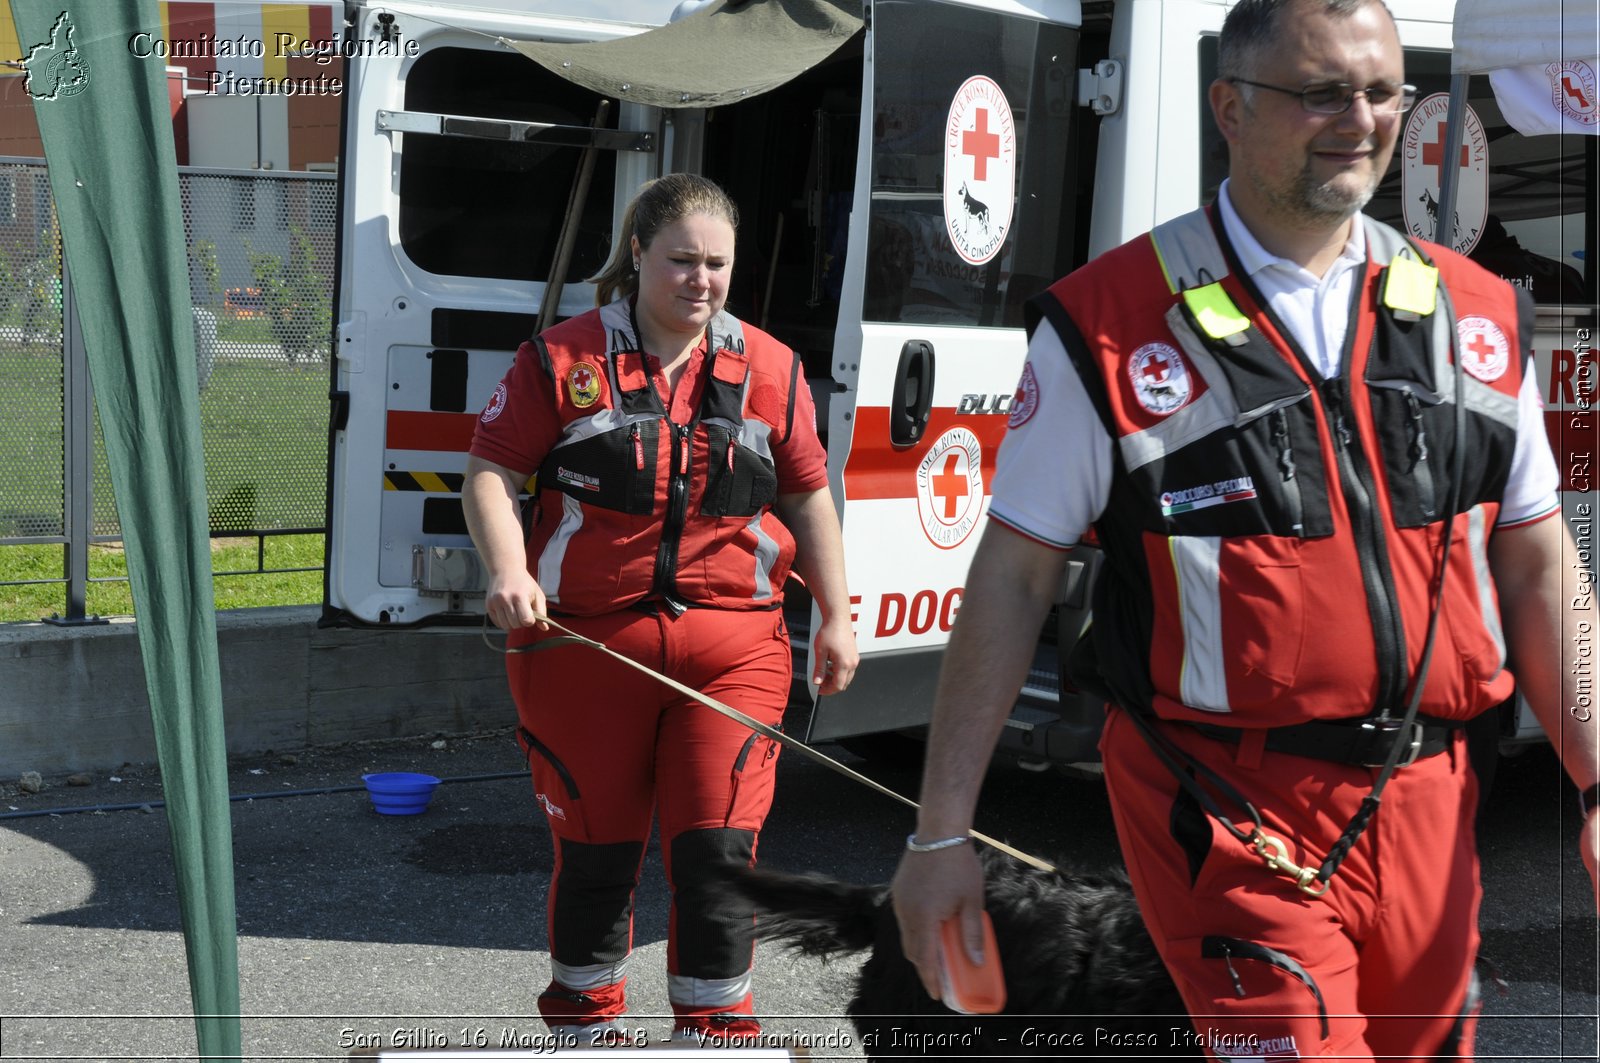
(1101, 87)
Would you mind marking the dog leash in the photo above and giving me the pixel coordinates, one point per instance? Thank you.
(567, 636)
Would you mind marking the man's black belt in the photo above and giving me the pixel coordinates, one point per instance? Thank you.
(1365, 743)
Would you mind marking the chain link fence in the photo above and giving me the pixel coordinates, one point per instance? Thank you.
(32, 369)
(261, 260)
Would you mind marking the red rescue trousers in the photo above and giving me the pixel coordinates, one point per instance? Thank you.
(607, 746)
(1380, 966)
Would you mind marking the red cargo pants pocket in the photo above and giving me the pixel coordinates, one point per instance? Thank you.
(750, 789)
(1256, 1001)
(554, 788)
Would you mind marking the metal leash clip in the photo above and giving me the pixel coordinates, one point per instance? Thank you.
(1276, 854)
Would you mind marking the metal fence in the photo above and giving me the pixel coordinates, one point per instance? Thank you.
(260, 249)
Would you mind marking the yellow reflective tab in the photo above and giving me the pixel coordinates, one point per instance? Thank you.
(1412, 286)
(1215, 311)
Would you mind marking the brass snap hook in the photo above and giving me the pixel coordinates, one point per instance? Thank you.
(1276, 855)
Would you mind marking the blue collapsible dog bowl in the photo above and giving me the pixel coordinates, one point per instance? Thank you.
(400, 793)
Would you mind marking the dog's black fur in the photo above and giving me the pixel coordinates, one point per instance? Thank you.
(1081, 972)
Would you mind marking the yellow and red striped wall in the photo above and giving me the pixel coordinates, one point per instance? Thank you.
(310, 118)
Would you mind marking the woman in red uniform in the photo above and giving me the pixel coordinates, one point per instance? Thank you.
(679, 476)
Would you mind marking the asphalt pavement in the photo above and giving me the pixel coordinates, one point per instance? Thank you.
(358, 930)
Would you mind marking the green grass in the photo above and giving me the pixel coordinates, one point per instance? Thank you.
(37, 601)
(264, 430)
(232, 329)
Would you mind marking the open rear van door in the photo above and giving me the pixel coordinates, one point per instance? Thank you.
(459, 160)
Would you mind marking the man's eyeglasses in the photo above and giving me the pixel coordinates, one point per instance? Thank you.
(1338, 97)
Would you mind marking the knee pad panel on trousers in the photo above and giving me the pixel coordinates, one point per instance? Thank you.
(713, 936)
(591, 902)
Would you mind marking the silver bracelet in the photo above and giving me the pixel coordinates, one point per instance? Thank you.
(914, 846)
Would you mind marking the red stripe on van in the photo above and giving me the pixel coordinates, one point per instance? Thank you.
(424, 430)
(877, 469)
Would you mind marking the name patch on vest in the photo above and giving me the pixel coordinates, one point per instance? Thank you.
(583, 385)
(1485, 352)
(577, 479)
(1161, 379)
(1238, 489)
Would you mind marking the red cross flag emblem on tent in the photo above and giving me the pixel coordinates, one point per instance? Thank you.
(980, 169)
(1572, 90)
(1422, 164)
(1485, 353)
(1561, 97)
(950, 488)
(1160, 377)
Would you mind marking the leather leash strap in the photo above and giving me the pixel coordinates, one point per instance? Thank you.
(570, 637)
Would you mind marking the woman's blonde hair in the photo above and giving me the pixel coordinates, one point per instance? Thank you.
(657, 204)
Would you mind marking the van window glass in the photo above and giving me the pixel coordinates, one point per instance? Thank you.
(921, 252)
(1535, 229)
(488, 208)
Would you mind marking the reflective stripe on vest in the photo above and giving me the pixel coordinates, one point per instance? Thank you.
(1194, 264)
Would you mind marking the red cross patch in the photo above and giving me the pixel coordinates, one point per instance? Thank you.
(1026, 401)
(1484, 350)
(497, 403)
(1160, 378)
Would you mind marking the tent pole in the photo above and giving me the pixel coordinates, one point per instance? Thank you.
(1444, 227)
(579, 196)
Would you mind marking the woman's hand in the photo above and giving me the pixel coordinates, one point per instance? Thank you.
(515, 600)
(819, 560)
(833, 656)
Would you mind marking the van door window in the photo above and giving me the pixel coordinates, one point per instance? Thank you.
(968, 248)
(1535, 226)
(488, 208)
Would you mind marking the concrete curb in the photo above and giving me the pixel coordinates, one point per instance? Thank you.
(74, 699)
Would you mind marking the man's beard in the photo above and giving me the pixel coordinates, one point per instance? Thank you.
(1328, 201)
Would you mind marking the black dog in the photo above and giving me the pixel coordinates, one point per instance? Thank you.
(1082, 977)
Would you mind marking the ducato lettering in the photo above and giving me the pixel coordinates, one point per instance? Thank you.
(919, 614)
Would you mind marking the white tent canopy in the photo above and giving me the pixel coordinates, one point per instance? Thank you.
(1543, 62)
(1500, 34)
(1542, 58)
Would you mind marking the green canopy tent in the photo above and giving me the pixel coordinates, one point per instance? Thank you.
(107, 131)
(725, 52)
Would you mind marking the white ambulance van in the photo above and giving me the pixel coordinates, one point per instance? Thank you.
(909, 173)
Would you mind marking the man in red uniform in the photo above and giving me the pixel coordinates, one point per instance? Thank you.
(1274, 412)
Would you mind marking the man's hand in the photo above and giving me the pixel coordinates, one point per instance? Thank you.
(928, 889)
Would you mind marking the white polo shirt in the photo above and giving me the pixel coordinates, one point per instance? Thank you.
(1053, 472)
